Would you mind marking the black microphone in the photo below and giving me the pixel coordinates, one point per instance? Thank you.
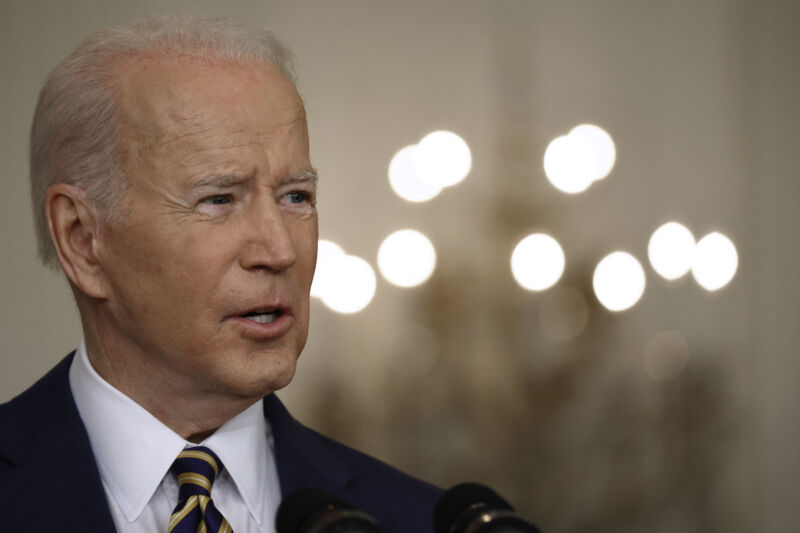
(319, 511)
(474, 508)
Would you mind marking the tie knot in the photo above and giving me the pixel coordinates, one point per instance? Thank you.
(196, 469)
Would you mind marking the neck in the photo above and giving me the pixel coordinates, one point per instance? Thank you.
(188, 409)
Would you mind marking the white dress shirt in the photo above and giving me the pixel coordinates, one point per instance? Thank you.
(134, 452)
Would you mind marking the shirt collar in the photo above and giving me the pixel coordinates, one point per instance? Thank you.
(241, 444)
(134, 450)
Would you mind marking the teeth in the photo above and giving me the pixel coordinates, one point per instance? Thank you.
(263, 317)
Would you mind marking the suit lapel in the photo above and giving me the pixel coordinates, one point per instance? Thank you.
(51, 482)
(306, 459)
(301, 458)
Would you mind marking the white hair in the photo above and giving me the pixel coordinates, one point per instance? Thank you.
(74, 134)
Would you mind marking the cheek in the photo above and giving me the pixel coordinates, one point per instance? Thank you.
(165, 269)
(130, 256)
(196, 267)
(305, 239)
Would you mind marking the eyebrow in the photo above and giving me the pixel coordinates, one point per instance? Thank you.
(217, 181)
(307, 175)
(229, 180)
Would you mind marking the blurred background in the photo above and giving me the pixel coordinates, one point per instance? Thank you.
(654, 389)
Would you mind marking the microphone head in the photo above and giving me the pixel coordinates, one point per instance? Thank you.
(475, 507)
(319, 511)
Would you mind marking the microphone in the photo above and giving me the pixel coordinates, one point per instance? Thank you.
(475, 508)
(319, 511)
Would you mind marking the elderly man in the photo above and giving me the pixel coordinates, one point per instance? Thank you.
(172, 183)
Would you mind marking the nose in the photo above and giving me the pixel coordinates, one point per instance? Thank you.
(268, 244)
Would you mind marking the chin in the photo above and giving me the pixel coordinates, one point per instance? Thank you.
(259, 383)
(278, 382)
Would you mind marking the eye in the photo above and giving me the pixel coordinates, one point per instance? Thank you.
(298, 197)
(217, 199)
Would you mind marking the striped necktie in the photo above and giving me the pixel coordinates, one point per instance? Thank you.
(196, 469)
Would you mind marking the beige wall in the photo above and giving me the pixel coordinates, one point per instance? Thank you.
(702, 100)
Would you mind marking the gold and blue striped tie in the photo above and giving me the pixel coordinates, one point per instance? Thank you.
(196, 469)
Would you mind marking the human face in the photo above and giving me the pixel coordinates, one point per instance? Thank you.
(219, 223)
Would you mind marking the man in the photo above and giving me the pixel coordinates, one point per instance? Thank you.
(172, 183)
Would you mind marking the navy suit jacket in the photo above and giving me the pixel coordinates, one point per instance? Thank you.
(49, 479)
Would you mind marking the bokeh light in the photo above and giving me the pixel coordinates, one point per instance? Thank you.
(405, 180)
(671, 250)
(406, 258)
(715, 261)
(666, 356)
(603, 149)
(537, 262)
(569, 164)
(348, 284)
(326, 250)
(563, 314)
(619, 281)
(572, 162)
(442, 159)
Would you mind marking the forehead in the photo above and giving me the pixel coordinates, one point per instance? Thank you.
(173, 104)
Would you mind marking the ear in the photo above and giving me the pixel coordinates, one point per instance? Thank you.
(74, 223)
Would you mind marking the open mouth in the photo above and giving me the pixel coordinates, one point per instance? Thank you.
(263, 316)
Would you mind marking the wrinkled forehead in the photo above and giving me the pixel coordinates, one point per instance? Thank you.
(168, 100)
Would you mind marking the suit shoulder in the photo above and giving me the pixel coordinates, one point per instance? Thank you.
(41, 413)
(372, 469)
(401, 502)
(306, 458)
